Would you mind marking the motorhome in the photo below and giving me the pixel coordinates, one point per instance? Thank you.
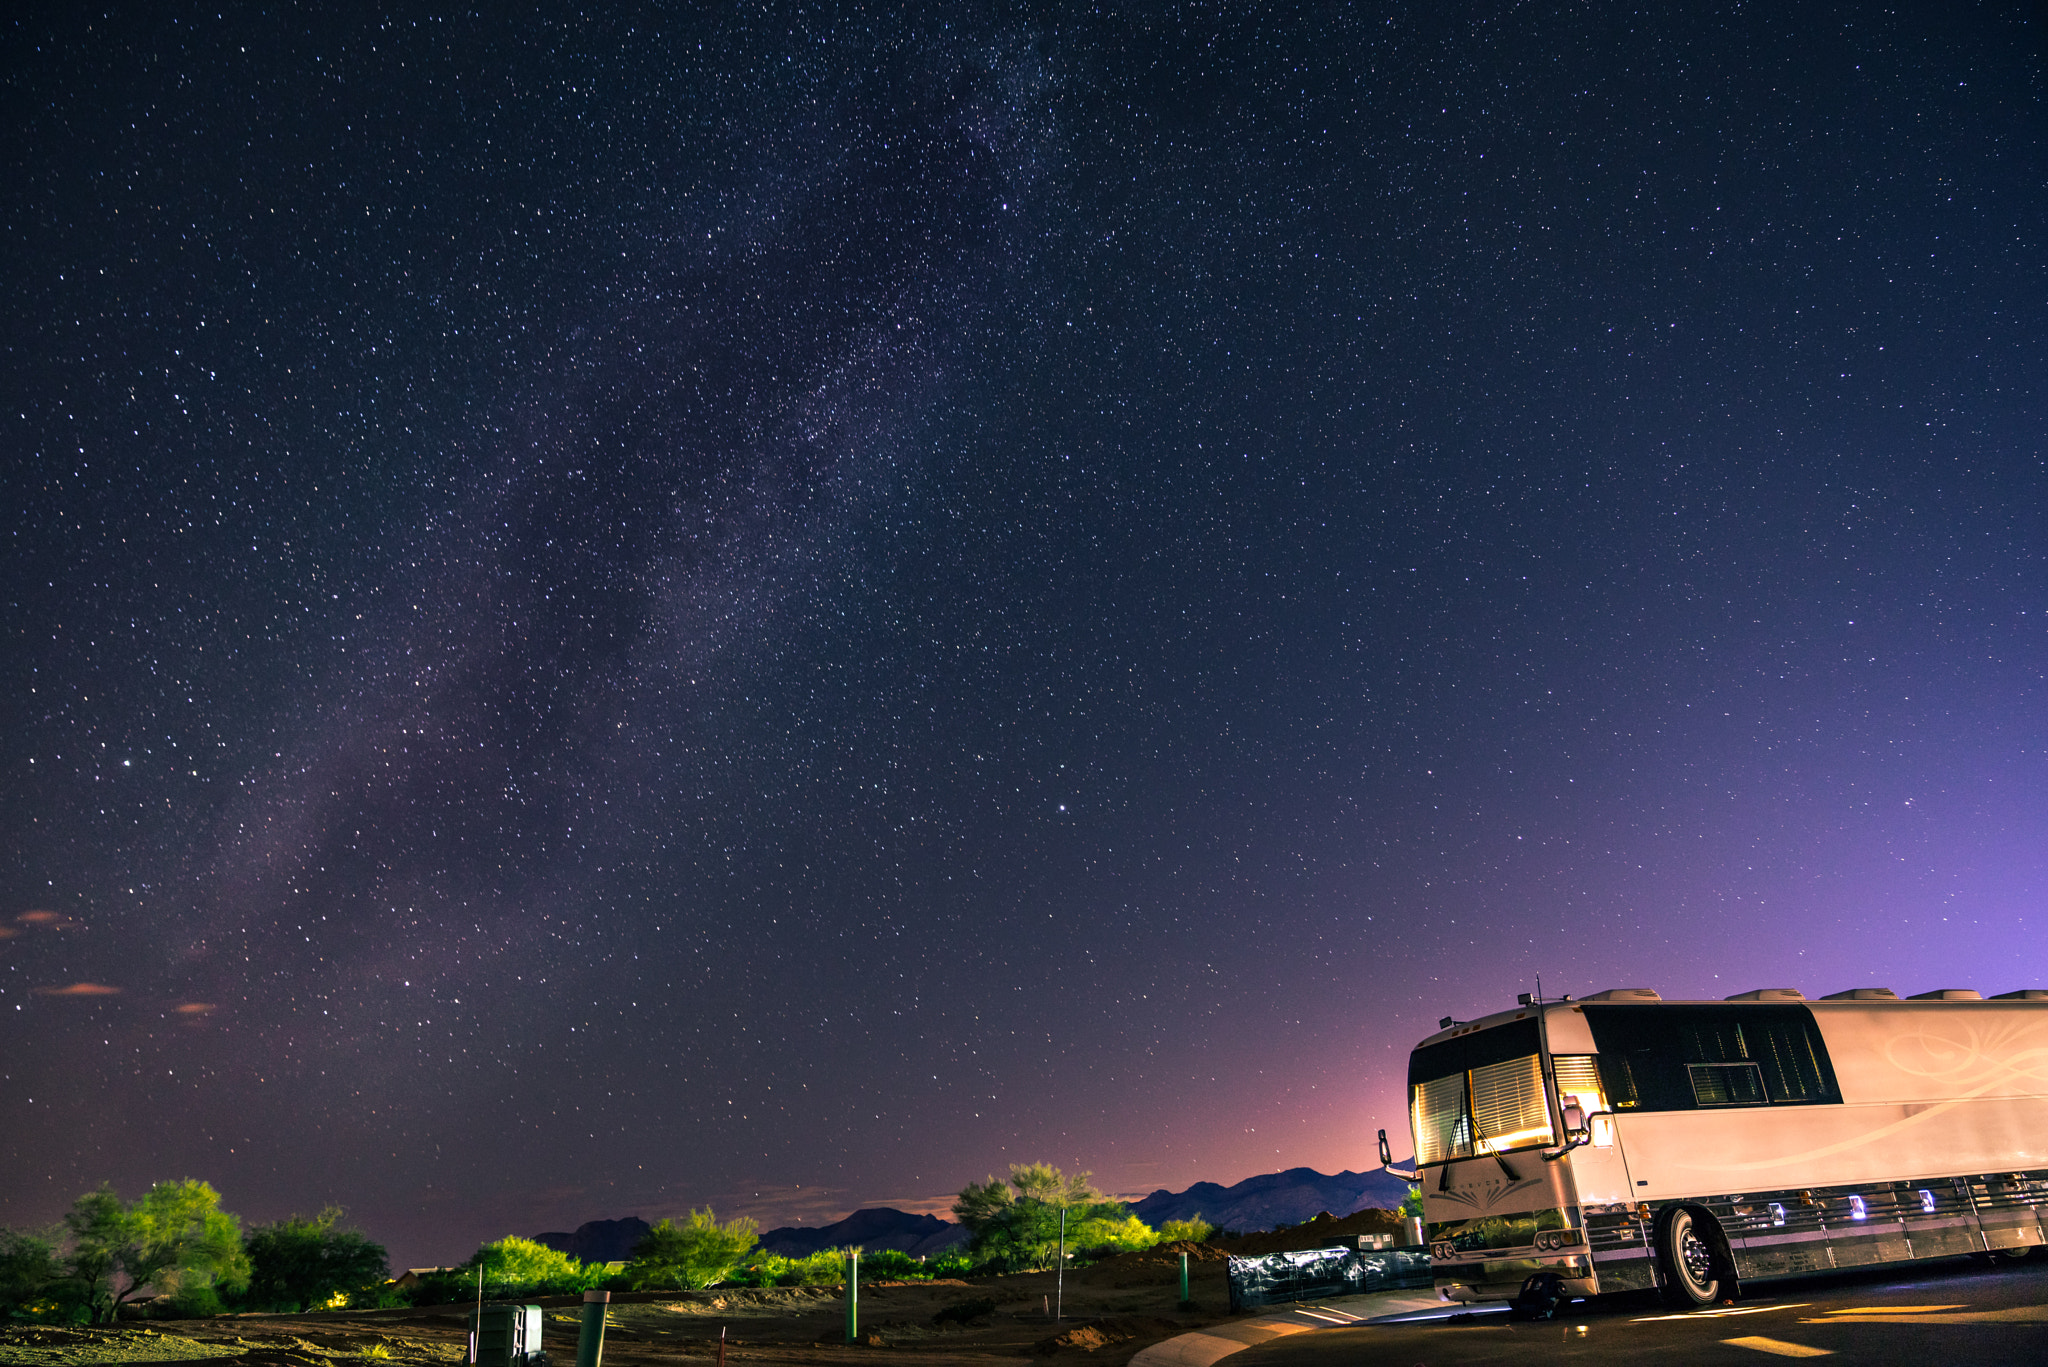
(1621, 1141)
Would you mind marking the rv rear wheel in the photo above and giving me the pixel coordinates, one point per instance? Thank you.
(1686, 1260)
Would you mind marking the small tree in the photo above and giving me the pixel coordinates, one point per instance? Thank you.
(1017, 1222)
(174, 1238)
(297, 1264)
(694, 1254)
(1194, 1229)
(980, 1203)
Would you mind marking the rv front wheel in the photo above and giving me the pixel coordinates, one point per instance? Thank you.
(1687, 1262)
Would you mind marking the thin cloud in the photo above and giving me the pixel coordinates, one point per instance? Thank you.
(79, 990)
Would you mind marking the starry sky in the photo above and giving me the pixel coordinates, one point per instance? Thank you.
(785, 605)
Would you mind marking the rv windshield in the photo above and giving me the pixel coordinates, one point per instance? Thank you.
(1478, 1094)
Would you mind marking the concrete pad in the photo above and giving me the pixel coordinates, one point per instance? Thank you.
(1206, 1346)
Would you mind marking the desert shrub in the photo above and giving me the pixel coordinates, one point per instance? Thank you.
(890, 1264)
(826, 1267)
(1107, 1229)
(513, 1266)
(954, 1262)
(1194, 1229)
(694, 1254)
(196, 1302)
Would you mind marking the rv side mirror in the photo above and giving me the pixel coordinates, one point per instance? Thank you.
(1386, 1154)
(1574, 1116)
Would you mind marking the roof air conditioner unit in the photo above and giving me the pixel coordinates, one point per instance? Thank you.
(1770, 994)
(1863, 994)
(1947, 994)
(1624, 994)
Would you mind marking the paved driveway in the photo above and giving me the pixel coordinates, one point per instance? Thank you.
(1936, 1315)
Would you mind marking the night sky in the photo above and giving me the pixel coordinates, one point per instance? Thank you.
(784, 607)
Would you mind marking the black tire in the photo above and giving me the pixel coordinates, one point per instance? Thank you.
(1686, 1263)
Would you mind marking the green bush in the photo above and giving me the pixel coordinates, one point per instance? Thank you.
(954, 1262)
(827, 1267)
(693, 1255)
(197, 1302)
(892, 1265)
(1107, 1229)
(511, 1266)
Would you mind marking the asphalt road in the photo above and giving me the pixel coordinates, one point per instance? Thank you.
(1938, 1314)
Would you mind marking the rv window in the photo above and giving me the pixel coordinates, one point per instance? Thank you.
(1477, 1094)
(1773, 1055)
(1727, 1084)
(1516, 1039)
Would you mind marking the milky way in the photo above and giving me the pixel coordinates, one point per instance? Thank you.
(610, 613)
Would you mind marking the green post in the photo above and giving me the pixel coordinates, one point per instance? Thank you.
(590, 1342)
(1183, 1279)
(852, 1295)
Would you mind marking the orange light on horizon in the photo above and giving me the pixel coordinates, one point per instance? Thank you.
(79, 990)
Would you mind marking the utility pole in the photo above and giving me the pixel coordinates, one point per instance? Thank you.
(1059, 1284)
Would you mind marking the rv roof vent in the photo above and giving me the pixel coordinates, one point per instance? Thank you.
(1947, 994)
(1863, 994)
(1624, 994)
(1770, 994)
(2024, 994)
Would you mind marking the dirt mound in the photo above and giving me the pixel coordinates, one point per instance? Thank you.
(1325, 1231)
(1102, 1333)
(1154, 1266)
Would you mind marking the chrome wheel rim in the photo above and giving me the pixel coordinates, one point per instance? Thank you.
(1695, 1260)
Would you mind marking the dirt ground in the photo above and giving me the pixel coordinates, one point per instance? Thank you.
(1112, 1310)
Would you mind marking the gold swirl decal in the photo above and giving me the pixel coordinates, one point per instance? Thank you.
(1985, 1061)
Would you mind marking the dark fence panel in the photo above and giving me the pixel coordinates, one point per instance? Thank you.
(1322, 1273)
